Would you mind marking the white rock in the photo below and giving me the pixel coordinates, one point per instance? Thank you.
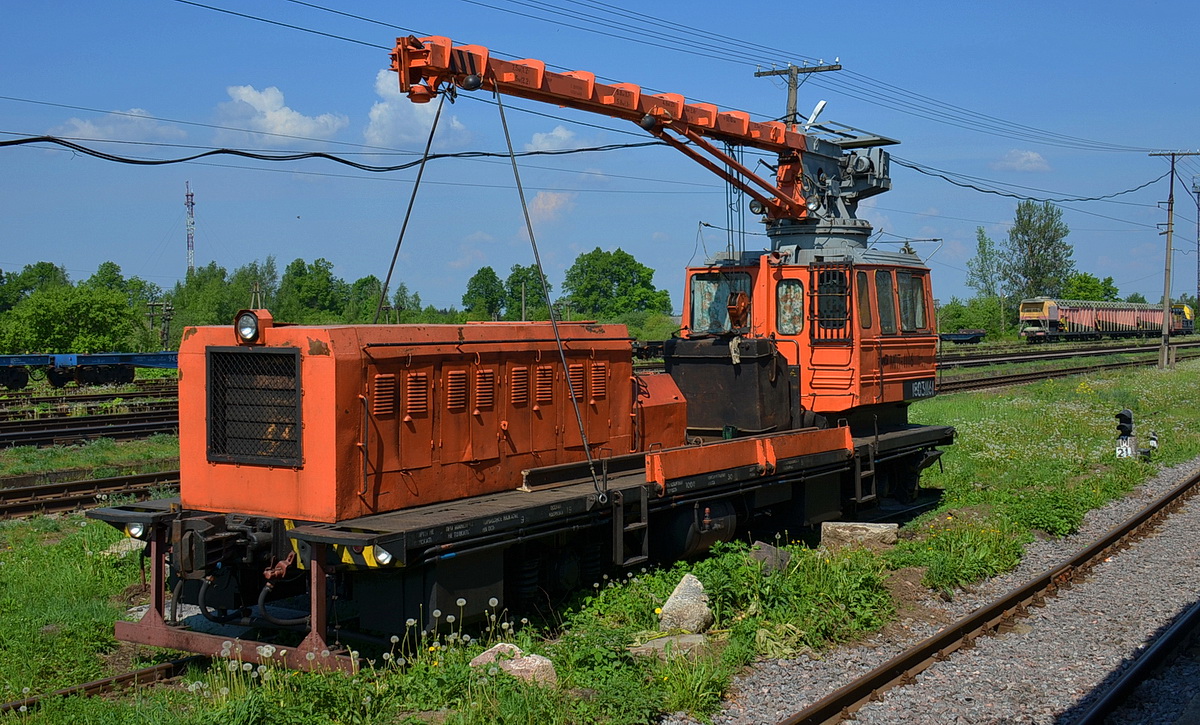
(687, 608)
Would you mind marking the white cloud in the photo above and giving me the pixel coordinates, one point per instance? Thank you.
(265, 112)
(397, 121)
(560, 138)
(1016, 160)
(548, 206)
(131, 125)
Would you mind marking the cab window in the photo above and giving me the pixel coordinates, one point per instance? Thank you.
(710, 297)
(912, 301)
(864, 301)
(885, 300)
(789, 307)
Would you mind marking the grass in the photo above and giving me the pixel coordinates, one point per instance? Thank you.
(102, 457)
(1027, 460)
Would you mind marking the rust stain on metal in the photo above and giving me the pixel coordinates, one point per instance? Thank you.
(188, 332)
(317, 347)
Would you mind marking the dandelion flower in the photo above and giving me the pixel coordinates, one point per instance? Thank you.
(658, 610)
(449, 619)
(232, 665)
(387, 656)
(493, 602)
(310, 656)
(437, 613)
(461, 602)
(411, 622)
(324, 653)
(394, 638)
(247, 666)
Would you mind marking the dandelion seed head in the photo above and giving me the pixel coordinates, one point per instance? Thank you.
(411, 622)
(449, 619)
(394, 638)
(247, 666)
(493, 602)
(310, 656)
(461, 602)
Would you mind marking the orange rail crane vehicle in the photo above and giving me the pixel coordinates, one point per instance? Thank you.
(374, 474)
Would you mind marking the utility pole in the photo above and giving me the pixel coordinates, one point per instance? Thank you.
(793, 74)
(1164, 348)
(1196, 193)
(190, 203)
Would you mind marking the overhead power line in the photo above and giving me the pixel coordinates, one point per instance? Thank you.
(298, 156)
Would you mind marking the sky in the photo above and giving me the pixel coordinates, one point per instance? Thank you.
(1063, 100)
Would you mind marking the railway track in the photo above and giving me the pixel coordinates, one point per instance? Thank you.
(72, 495)
(143, 403)
(78, 429)
(148, 389)
(949, 362)
(996, 617)
(144, 676)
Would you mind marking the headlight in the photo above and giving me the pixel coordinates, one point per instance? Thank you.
(135, 530)
(247, 327)
(383, 556)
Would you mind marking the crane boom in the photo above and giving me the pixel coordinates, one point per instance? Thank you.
(427, 66)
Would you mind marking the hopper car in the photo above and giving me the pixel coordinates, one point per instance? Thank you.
(369, 475)
(1045, 319)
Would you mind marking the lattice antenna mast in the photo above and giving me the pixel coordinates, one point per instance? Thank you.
(190, 203)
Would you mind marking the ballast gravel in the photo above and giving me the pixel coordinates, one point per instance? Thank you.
(1044, 670)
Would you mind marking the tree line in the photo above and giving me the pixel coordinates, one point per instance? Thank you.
(43, 311)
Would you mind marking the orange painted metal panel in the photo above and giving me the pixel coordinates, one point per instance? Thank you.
(441, 421)
(765, 452)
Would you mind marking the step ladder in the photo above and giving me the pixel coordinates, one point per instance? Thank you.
(864, 477)
(631, 532)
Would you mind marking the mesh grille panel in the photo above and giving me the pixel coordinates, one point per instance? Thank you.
(254, 406)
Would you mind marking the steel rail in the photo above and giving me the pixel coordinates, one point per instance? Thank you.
(997, 381)
(144, 676)
(89, 427)
(995, 358)
(142, 404)
(72, 495)
(903, 668)
(1143, 668)
(148, 389)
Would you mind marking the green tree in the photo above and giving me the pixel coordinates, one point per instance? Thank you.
(310, 293)
(523, 294)
(1136, 297)
(407, 305)
(484, 298)
(983, 270)
(977, 313)
(255, 284)
(1086, 286)
(41, 275)
(608, 284)
(1037, 259)
(65, 318)
(363, 300)
(203, 298)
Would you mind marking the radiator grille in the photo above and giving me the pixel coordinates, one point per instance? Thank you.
(417, 391)
(254, 406)
(519, 390)
(599, 380)
(456, 389)
(577, 377)
(544, 385)
(384, 402)
(485, 389)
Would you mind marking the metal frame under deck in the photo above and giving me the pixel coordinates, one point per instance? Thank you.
(424, 535)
